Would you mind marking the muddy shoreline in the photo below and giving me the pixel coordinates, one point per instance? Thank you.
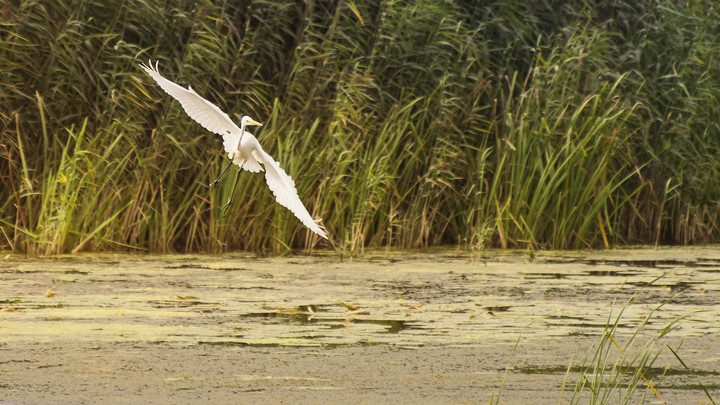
(391, 327)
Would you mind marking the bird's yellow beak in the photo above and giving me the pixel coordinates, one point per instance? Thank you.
(253, 122)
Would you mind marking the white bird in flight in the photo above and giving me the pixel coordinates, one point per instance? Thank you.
(242, 147)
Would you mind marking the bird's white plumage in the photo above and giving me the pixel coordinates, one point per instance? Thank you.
(247, 154)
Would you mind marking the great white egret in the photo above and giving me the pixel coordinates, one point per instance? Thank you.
(242, 147)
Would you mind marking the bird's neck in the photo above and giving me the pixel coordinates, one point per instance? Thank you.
(242, 132)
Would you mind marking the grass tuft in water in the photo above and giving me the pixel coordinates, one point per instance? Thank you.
(618, 368)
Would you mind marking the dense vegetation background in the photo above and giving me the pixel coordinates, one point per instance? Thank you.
(558, 124)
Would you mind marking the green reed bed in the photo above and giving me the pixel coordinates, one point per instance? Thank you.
(438, 122)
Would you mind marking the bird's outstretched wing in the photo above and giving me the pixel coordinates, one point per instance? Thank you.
(204, 112)
(286, 195)
(215, 120)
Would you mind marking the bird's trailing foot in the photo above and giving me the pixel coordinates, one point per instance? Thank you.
(232, 193)
(225, 207)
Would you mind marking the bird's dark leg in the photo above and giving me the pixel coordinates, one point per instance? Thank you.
(227, 204)
(214, 183)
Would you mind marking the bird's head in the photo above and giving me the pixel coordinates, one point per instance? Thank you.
(249, 121)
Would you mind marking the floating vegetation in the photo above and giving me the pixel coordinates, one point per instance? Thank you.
(366, 313)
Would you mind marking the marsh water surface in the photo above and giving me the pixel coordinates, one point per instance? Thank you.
(403, 327)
